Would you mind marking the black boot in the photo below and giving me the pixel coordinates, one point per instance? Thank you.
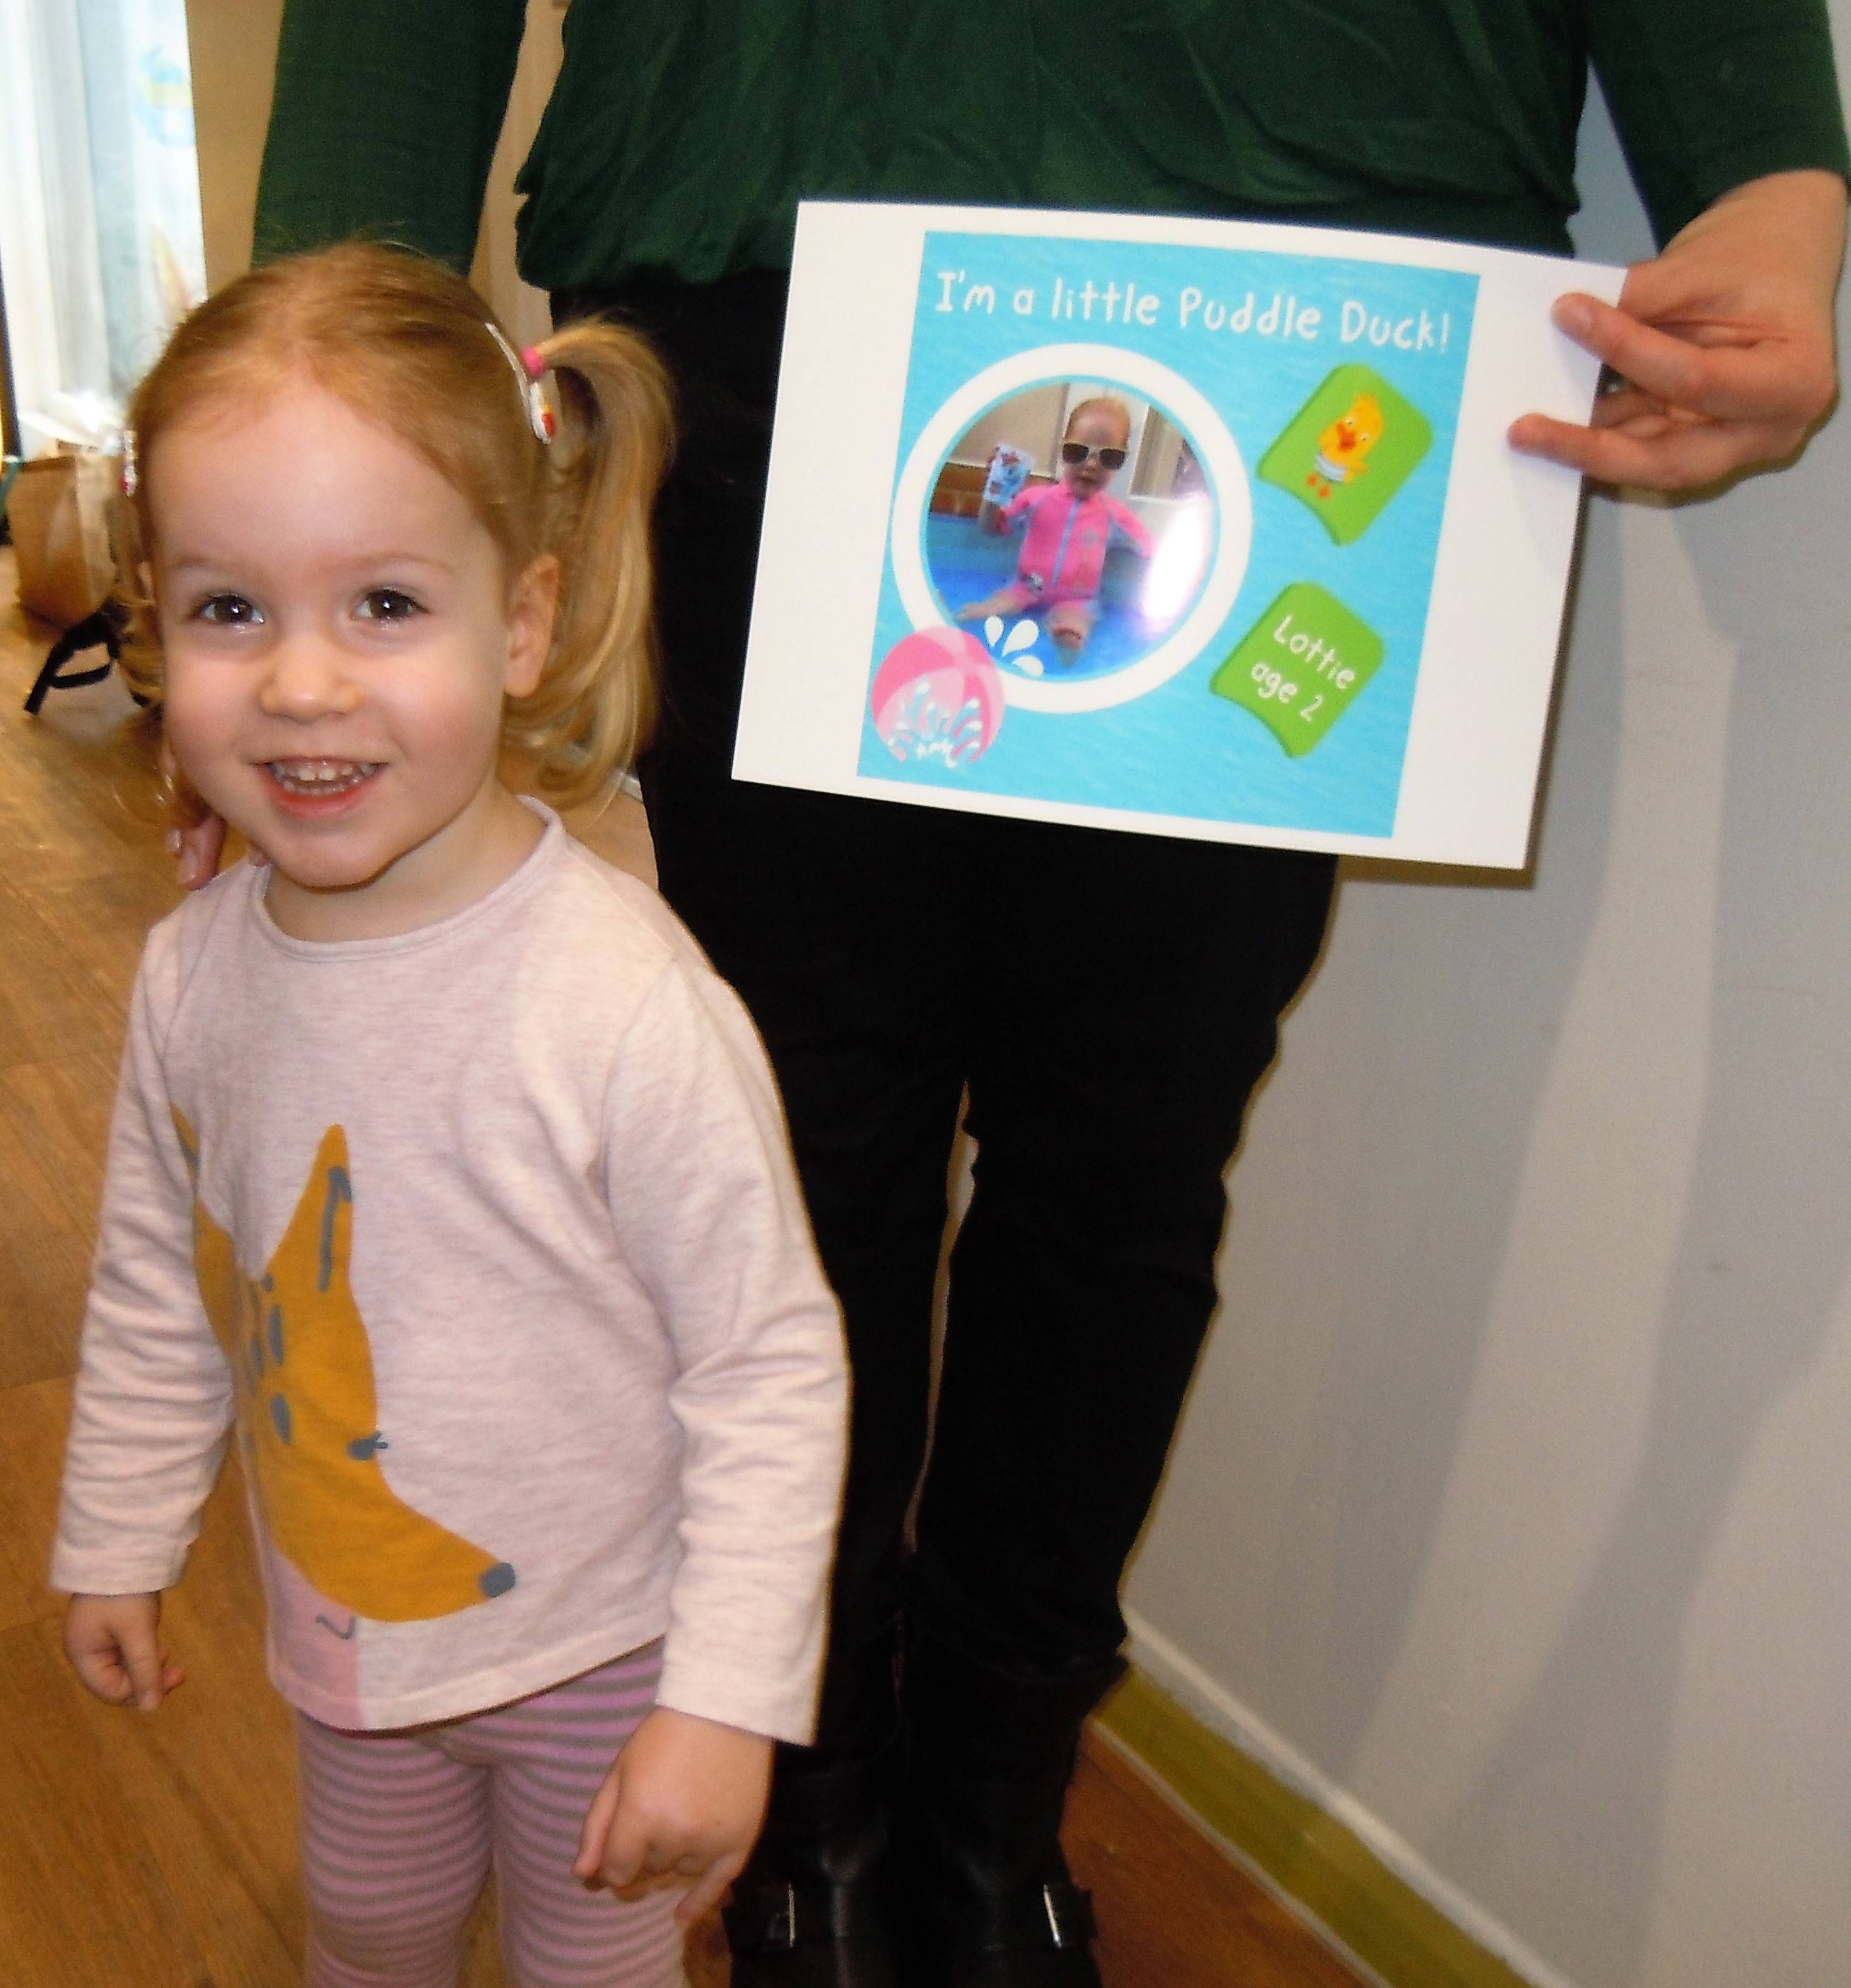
(990, 1758)
(816, 1906)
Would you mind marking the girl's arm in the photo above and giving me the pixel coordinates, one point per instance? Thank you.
(1133, 527)
(704, 1198)
(705, 1204)
(153, 1394)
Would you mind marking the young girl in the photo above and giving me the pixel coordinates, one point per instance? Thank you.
(442, 1163)
(1070, 524)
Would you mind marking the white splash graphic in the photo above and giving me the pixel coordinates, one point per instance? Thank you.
(923, 728)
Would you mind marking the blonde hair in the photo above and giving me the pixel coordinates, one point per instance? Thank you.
(1100, 403)
(409, 345)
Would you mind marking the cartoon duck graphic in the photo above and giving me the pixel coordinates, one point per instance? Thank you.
(308, 1414)
(1343, 447)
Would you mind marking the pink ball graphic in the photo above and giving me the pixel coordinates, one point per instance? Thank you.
(937, 695)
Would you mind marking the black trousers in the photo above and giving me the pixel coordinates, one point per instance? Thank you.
(1107, 1001)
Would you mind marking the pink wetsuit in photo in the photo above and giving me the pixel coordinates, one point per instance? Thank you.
(1064, 552)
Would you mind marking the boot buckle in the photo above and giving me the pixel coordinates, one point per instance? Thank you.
(1070, 1922)
(763, 1920)
(771, 1917)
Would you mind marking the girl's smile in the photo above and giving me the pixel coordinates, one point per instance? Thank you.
(338, 639)
(309, 787)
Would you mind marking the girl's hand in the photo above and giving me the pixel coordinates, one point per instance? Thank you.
(684, 1801)
(113, 1642)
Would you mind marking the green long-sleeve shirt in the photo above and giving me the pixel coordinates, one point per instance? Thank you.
(681, 132)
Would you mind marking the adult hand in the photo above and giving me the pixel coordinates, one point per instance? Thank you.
(113, 1642)
(196, 848)
(1723, 344)
(684, 1802)
(197, 841)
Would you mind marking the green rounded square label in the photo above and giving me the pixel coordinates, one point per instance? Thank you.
(1301, 666)
(1349, 449)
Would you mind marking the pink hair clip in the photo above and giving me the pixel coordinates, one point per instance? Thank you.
(131, 478)
(535, 360)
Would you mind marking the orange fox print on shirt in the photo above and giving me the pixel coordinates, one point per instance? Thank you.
(302, 1365)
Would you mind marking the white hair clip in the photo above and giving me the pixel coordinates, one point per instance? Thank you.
(539, 416)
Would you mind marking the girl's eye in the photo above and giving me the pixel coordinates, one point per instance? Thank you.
(387, 603)
(228, 610)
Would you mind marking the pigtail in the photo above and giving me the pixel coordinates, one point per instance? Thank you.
(595, 704)
(134, 593)
(169, 800)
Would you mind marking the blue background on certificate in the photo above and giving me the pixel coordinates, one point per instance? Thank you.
(1180, 748)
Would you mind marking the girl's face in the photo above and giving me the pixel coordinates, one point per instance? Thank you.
(339, 635)
(1093, 428)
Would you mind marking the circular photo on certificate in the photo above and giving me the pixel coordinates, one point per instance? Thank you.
(1077, 521)
(1079, 516)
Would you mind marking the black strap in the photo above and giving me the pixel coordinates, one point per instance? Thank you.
(104, 628)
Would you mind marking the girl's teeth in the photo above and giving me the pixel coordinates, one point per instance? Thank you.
(320, 776)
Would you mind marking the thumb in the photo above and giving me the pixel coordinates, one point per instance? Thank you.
(709, 1888)
(627, 1848)
(146, 1665)
(589, 1861)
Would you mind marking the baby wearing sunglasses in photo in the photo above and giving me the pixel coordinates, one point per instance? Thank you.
(1069, 525)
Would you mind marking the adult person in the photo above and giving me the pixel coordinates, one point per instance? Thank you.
(1106, 1002)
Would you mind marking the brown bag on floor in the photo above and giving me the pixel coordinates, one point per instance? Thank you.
(58, 511)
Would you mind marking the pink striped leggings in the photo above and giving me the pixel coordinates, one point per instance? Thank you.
(400, 1829)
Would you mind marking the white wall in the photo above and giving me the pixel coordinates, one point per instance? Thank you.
(1514, 1495)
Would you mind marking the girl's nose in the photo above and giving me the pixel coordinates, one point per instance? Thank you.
(307, 679)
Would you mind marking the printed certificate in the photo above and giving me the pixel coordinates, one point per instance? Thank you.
(1185, 527)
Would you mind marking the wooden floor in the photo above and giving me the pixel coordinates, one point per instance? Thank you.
(158, 1852)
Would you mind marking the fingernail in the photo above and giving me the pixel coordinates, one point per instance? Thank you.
(1574, 315)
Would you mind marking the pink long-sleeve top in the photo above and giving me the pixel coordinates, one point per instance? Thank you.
(486, 1237)
(1063, 553)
